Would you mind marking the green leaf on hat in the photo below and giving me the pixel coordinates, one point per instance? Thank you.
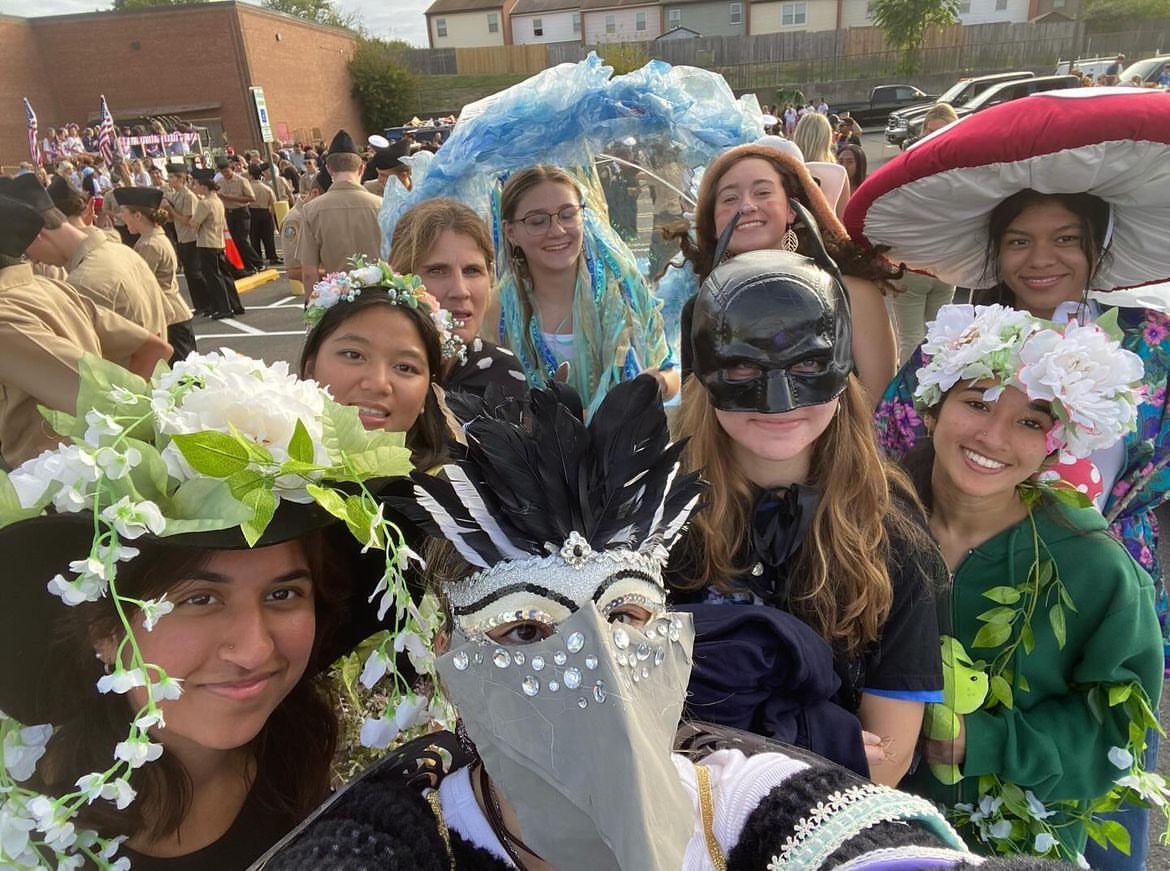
(300, 446)
(10, 508)
(328, 499)
(98, 378)
(1107, 322)
(65, 425)
(211, 453)
(262, 502)
(150, 477)
(380, 462)
(203, 505)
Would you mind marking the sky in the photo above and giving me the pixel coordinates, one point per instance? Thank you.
(390, 19)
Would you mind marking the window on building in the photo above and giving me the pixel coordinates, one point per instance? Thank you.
(537, 27)
(493, 22)
(440, 27)
(674, 17)
(639, 21)
(736, 13)
(611, 24)
(1001, 5)
(793, 14)
(576, 22)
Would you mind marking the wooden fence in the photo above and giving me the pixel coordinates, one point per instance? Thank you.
(827, 55)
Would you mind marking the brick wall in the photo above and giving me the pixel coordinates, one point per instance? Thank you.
(21, 75)
(194, 61)
(303, 74)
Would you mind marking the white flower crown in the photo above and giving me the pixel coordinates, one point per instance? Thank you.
(1091, 382)
(405, 290)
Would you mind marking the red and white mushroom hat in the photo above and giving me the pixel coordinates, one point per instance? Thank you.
(931, 204)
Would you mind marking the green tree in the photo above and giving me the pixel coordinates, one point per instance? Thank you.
(1112, 15)
(146, 4)
(382, 84)
(905, 23)
(624, 57)
(317, 11)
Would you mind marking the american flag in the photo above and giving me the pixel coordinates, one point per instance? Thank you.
(107, 135)
(34, 143)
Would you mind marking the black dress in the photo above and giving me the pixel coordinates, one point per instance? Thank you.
(488, 363)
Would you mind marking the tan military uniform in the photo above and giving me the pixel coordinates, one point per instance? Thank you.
(182, 202)
(236, 186)
(113, 276)
(265, 198)
(209, 222)
(290, 234)
(156, 249)
(45, 327)
(375, 186)
(338, 224)
(283, 190)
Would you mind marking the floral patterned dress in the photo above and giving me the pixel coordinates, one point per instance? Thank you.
(1144, 482)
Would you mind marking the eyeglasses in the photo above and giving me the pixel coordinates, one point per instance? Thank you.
(539, 223)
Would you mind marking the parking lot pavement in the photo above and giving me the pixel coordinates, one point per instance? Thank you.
(271, 329)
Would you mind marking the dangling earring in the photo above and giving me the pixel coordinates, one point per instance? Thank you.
(517, 252)
(789, 241)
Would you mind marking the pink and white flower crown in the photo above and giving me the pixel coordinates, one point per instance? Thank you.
(1091, 382)
(406, 290)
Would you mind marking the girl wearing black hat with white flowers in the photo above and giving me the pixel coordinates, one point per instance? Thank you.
(184, 554)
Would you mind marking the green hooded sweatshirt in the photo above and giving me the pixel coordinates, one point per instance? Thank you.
(1050, 742)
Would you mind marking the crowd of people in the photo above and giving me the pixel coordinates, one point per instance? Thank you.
(882, 594)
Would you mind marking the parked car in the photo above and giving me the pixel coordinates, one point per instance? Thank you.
(1147, 70)
(883, 100)
(1090, 66)
(1007, 91)
(906, 123)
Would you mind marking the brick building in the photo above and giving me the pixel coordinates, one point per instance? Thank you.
(193, 62)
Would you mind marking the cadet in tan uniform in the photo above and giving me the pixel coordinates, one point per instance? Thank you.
(180, 203)
(290, 236)
(237, 196)
(106, 272)
(388, 163)
(341, 222)
(45, 327)
(263, 214)
(208, 222)
(142, 212)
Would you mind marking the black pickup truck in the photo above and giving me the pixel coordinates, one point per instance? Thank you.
(907, 123)
(883, 100)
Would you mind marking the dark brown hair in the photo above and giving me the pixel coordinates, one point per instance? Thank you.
(798, 185)
(427, 438)
(1091, 211)
(155, 216)
(292, 752)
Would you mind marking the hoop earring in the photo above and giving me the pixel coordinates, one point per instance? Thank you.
(789, 241)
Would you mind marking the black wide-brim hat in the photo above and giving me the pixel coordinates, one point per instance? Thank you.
(38, 678)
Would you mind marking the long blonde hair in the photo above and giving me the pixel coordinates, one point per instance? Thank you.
(840, 584)
(814, 137)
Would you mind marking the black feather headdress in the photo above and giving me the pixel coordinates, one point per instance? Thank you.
(531, 474)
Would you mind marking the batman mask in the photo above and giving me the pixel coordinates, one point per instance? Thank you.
(771, 333)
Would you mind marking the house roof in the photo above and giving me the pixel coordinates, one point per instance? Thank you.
(445, 7)
(587, 5)
(536, 7)
(680, 31)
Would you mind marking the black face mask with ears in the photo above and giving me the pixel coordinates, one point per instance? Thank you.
(771, 333)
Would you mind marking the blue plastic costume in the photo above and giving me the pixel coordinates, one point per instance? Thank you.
(567, 116)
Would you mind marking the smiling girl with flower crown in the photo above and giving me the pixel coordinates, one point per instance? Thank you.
(1050, 608)
(185, 575)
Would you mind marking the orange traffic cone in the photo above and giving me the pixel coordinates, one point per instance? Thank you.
(231, 252)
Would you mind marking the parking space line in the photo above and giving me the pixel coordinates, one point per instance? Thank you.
(254, 333)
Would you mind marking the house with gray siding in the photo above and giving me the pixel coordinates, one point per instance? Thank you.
(707, 17)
